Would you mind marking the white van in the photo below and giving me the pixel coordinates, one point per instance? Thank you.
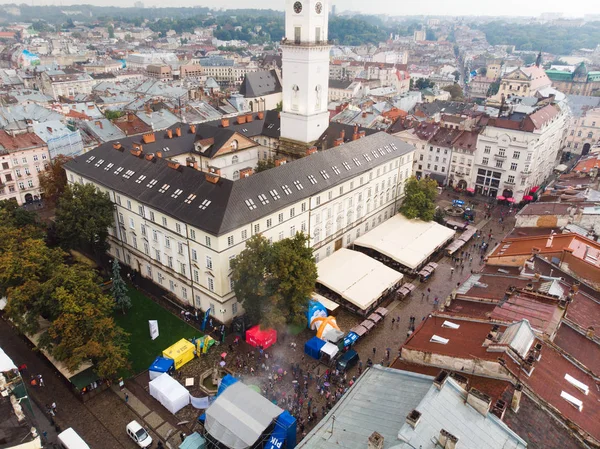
(70, 440)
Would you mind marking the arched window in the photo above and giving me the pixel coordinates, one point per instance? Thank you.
(295, 97)
(234, 160)
(318, 97)
(234, 144)
(236, 175)
(317, 236)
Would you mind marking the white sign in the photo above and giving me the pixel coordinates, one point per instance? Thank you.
(153, 329)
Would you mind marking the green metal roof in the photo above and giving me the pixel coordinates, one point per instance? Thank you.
(84, 378)
(559, 75)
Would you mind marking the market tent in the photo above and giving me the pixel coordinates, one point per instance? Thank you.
(170, 393)
(255, 336)
(408, 242)
(330, 349)
(6, 363)
(357, 278)
(181, 352)
(313, 347)
(193, 441)
(239, 416)
(159, 366)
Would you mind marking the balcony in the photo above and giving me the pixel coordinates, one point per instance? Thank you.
(526, 171)
(500, 157)
(459, 175)
(509, 183)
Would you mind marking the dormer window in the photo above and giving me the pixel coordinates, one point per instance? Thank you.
(234, 145)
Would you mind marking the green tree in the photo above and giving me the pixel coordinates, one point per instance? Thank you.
(53, 180)
(430, 35)
(419, 200)
(113, 115)
(274, 281)
(483, 71)
(423, 83)
(83, 216)
(456, 75)
(111, 32)
(265, 164)
(119, 288)
(456, 92)
(439, 216)
(493, 89)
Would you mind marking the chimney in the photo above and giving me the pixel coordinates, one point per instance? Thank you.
(214, 170)
(590, 333)
(130, 117)
(375, 441)
(149, 138)
(159, 154)
(193, 129)
(169, 134)
(479, 401)
(212, 178)
(249, 118)
(516, 399)
(447, 440)
(461, 380)
(261, 115)
(246, 172)
(311, 150)
(280, 161)
(138, 146)
(355, 133)
(178, 131)
(499, 408)
(99, 124)
(343, 134)
(173, 164)
(117, 146)
(337, 142)
(362, 134)
(364, 114)
(191, 162)
(440, 379)
(225, 122)
(413, 418)
(137, 152)
(241, 119)
(150, 157)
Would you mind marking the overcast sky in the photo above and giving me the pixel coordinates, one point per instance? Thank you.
(393, 7)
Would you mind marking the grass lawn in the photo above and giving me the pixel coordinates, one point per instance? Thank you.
(142, 350)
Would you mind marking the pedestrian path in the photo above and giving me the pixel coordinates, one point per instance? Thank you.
(151, 420)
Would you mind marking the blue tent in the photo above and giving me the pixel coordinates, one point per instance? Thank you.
(285, 431)
(159, 366)
(350, 339)
(313, 347)
(227, 381)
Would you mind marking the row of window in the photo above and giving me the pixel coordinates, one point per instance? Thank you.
(502, 152)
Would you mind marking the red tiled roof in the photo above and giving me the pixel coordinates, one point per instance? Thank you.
(543, 316)
(583, 349)
(20, 141)
(586, 165)
(548, 381)
(470, 309)
(525, 245)
(584, 311)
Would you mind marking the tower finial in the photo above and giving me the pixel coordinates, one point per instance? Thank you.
(538, 61)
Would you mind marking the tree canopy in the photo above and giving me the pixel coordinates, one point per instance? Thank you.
(53, 180)
(119, 288)
(456, 92)
(83, 216)
(419, 201)
(40, 283)
(274, 281)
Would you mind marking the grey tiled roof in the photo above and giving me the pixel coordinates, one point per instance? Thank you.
(262, 82)
(228, 209)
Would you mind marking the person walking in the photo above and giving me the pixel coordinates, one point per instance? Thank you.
(126, 398)
(374, 351)
(41, 381)
(53, 406)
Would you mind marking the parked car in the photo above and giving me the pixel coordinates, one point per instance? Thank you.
(347, 360)
(69, 439)
(139, 434)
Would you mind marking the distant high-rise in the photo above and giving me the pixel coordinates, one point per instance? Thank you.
(305, 70)
(333, 10)
(138, 4)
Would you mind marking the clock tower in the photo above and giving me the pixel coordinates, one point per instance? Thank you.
(305, 58)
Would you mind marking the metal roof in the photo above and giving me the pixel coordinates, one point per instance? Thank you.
(378, 401)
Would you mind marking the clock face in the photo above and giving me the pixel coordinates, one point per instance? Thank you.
(297, 7)
(319, 7)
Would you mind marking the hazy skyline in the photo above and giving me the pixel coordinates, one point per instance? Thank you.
(434, 7)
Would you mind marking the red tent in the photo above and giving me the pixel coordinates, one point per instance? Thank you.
(256, 336)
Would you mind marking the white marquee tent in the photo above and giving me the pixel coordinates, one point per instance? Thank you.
(408, 242)
(356, 277)
(170, 393)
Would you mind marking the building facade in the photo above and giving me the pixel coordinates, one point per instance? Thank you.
(181, 228)
(23, 156)
(305, 59)
(579, 82)
(583, 131)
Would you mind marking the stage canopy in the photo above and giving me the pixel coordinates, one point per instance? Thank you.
(170, 393)
(239, 416)
(356, 277)
(408, 242)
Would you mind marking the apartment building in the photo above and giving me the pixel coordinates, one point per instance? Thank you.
(58, 83)
(583, 125)
(181, 227)
(23, 156)
(518, 152)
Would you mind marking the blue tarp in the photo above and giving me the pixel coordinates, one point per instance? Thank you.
(350, 339)
(193, 441)
(161, 365)
(227, 381)
(285, 431)
(313, 347)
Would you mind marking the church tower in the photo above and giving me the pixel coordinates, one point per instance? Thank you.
(305, 58)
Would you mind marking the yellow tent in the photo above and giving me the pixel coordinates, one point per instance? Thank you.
(181, 352)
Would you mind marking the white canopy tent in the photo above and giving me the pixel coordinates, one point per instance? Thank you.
(170, 393)
(408, 242)
(356, 277)
(330, 350)
(239, 416)
(6, 363)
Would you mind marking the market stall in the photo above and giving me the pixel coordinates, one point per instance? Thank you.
(170, 393)
(181, 352)
(258, 337)
(160, 366)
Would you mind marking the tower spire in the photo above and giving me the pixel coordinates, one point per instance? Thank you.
(538, 61)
